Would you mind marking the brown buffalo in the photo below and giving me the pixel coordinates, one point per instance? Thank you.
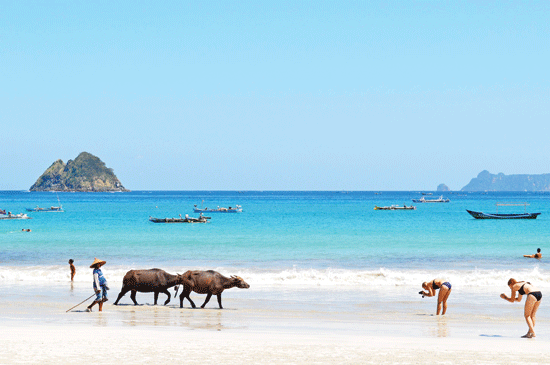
(147, 281)
(208, 282)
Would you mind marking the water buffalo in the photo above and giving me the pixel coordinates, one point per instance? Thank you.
(208, 282)
(146, 281)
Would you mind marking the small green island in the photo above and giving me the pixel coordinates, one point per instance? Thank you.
(86, 173)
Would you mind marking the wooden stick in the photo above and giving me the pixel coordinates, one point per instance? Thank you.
(80, 303)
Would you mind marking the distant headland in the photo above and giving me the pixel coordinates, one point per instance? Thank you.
(486, 181)
(86, 173)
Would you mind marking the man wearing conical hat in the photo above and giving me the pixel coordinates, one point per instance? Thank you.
(100, 285)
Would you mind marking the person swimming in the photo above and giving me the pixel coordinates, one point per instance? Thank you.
(538, 255)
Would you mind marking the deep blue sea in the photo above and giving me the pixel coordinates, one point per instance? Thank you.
(292, 237)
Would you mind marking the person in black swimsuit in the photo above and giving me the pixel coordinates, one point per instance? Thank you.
(532, 301)
(444, 292)
(538, 255)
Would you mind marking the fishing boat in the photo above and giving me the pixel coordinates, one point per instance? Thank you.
(58, 208)
(50, 209)
(497, 215)
(185, 219)
(14, 216)
(235, 209)
(395, 207)
(438, 200)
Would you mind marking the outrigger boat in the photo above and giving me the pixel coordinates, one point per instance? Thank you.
(524, 215)
(235, 209)
(50, 209)
(438, 200)
(187, 219)
(14, 216)
(395, 207)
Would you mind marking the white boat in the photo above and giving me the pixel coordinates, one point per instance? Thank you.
(50, 209)
(14, 216)
(438, 200)
(235, 209)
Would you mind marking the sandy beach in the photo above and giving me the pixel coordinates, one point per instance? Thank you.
(265, 326)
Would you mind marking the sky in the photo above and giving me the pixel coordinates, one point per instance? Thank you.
(276, 95)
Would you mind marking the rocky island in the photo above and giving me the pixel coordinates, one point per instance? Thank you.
(443, 187)
(485, 181)
(86, 173)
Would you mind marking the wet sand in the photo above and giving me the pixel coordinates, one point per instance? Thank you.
(265, 326)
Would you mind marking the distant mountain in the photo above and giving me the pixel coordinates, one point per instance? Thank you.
(486, 181)
(443, 187)
(86, 173)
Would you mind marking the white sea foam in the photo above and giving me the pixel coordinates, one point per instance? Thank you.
(292, 277)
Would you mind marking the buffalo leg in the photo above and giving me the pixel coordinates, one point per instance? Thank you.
(184, 295)
(165, 291)
(156, 297)
(123, 292)
(208, 296)
(133, 297)
(220, 300)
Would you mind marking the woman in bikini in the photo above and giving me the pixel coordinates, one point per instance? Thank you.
(532, 301)
(444, 291)
(538, 255)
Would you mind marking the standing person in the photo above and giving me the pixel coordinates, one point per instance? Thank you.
(538, 255)
(73, 269)
(100, 285)
(444, 291)
(532, 301)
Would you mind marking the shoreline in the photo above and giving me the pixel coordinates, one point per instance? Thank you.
(278, 326)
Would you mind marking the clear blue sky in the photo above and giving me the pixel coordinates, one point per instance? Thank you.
(276, 95)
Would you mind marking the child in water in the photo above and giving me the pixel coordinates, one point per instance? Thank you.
(100, 285)
(73, 269)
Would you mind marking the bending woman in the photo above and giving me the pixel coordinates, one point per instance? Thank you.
(444, 291)
(532, 302)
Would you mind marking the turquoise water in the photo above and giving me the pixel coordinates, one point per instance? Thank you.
(290, 236)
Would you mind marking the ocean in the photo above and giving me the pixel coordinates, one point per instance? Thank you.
(291, 239)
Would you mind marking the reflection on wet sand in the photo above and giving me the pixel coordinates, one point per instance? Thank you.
(159, 316)
(441, 330)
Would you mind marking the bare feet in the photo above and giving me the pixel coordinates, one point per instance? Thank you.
(528, 335)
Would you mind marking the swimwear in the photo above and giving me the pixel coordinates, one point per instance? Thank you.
(537, 295)
(521, 291)
(434, 285)
(447, 284)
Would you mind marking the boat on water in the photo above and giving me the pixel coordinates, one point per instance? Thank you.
(50, 209)
(438, 200)
(186, 219)
(497, 215)
(14, 216)
(235, 209)
(395, 207)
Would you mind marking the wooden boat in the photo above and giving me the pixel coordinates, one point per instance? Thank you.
(50, 209)
(395, 207)
(186, 219)
(438, 200)
(235, 209)
(14, 216)
(481, 215)
(497, 215)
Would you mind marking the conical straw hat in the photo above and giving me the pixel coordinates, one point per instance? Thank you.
(97, 261)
